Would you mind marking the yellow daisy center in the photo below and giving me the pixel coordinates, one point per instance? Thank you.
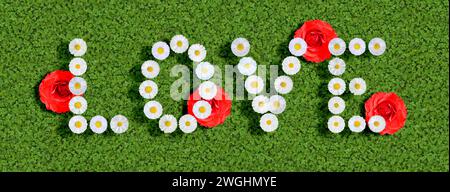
(196, 52)
(336, 124)
(77, 105)
(153, 109)
(357, 46)
(376, 123)
(261, 104)
(247, 65)
(187, 123)
(276, 104)
(77, 66)
(357, 86)
(98, 124)
(167, 123)
(160, 50)
(207, 90)
(269, 122)
(336, 105)
(78, 124)
(148, 89)
(254, 84)
(204, 70)
(283, 84)
(337, 66)
(291, 65)
(240, 47)
(150, 69)
(77, 47)
(119, 124)
(377, 46)
(336, 86)
(202, 109)
(336, 46)
(357, 123)
(297, 46)
(77, 86)
(179, 43)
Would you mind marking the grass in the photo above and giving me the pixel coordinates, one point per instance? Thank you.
(34, 38)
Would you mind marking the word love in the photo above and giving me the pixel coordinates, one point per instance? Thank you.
(209, 104)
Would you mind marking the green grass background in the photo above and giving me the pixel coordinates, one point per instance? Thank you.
(34, 38)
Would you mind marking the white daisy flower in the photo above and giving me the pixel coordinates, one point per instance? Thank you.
(268, 122)
(377, 46)
(204, 70)
(277, 104)
(297, 47)
(247, 66)
(77, 86)
(78, 124)
(207, 90)
(336, 124)
(98, 124)
(291, 65)
(148, 89)
(377, 123)
(357, 46)
(187, 123)
(254, 84)
(78, 105)
(336, 66)
(77, 47)
(336, 86)
(283, 84)
(261, 104)
(202, 109)
(153, 110)
(119, 124)
(240, 47)
(336, 105)
(168, 123)
(357, 86)
(179, 44)
(150, 69)
(357, 124)
(337, 46)
(77, 66)
(197, 53)
(160, 50)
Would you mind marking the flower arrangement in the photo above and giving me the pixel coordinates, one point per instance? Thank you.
(209, 105)
(62, 91)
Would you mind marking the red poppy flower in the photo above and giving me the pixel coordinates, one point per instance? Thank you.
(391, 107)
(220, 108)
(317, 34)
(54, 91)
